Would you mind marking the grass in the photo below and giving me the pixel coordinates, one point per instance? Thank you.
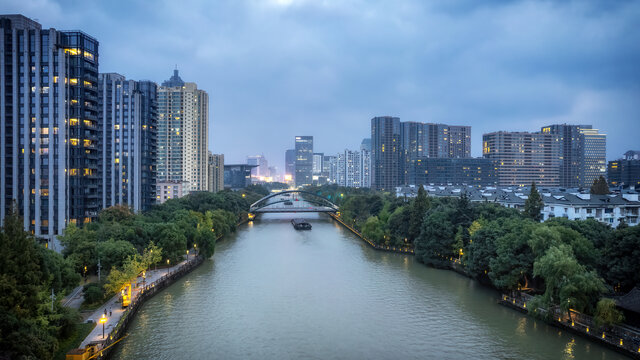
(73, 341)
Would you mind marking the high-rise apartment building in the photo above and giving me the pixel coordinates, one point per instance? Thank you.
(49, 130)
(183, 118)
(215, 168)
(349, 169)
(448, 141)
(413, 145)
(385, 153)
(304, 160)
(522, 158)
(365, 168)
(127, 132)
(329, 168)
(583, 154)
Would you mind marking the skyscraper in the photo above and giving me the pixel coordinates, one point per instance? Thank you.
(49, 133)
(594, 160)
(385, 152)
(413, 145)
(183, 118)
(215, 168)
(290, 163)
(522, 158)
(583, 154)
(128, 130)
(304, 160)
(448, 141)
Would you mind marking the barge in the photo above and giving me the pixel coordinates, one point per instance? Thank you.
(300, 224)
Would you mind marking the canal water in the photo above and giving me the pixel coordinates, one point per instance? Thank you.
(271, 292)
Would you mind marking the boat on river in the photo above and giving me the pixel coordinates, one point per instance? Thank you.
(300, 224)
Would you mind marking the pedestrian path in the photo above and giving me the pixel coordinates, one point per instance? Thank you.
(114, 310)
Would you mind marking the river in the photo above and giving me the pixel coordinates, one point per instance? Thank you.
(271, 292)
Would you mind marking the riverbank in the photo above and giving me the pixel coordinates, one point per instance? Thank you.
(618, 339)
(101, 339)
(403, 250)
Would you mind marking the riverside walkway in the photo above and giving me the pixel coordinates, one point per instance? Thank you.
(117, 311)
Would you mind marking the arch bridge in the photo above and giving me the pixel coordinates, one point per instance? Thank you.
(292, 201)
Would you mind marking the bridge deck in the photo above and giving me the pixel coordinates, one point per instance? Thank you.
(290, 209)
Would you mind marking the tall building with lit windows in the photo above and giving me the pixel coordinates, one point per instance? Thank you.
(183, 118)
(49, 130)
(216, 172)
(128, 129)
(304, 161)
(521, 158)
(583, 157)
(385, 153)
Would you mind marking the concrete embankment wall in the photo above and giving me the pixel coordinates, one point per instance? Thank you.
(403, 250)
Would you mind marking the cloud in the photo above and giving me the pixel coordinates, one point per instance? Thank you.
(276, 69)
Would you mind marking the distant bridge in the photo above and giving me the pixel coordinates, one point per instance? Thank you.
(291, 201)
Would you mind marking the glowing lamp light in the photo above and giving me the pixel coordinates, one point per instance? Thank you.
(103, 319)
(620, 342)
(603, 335)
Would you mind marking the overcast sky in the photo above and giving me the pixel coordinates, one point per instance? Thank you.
(279, 68)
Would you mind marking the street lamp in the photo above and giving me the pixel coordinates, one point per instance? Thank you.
(103, 320)
(144, 278)
(195, 249)
(167, 266)
(187, 255)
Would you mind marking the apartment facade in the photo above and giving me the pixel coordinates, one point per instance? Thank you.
(128, 135)
(215, 168)
(49, 131)
(522, 158)
(183, 118)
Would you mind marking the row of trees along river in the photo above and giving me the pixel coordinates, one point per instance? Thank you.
(567, 264)
(33, 279)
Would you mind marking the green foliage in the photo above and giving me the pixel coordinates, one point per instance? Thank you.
(620, 259)
(435, 243)
(567, 283)
(513, 263)
(28, 272)
(419, 207)
(607, 314)
(600, 186)
(533, 205)
(372, 230)
(93, 293)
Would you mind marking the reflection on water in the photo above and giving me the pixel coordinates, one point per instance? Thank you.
(271, 292)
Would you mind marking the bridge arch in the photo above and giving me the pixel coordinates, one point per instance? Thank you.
(321, 204)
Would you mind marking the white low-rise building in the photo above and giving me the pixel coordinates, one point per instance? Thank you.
(558, 202)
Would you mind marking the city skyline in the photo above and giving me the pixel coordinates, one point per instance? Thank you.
(446, 62)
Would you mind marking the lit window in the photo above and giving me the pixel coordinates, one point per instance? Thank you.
(72, 51)
(73, 172)
(73, 122)
(73, 141)
(73, 81)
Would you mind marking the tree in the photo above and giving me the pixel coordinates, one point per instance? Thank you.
(205, 235)
(600, 186)
(607, 314)
(567, 283)
(372, 230)
(620, 265)
(152, 255)
(513, 264)
(398, 224)
(534, 204)
(419, 207)
(435, 243)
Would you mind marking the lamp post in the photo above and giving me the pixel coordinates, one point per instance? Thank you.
(167, 266)
(187, 255)
(103, 320)
(144, 278)
(195, 249)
